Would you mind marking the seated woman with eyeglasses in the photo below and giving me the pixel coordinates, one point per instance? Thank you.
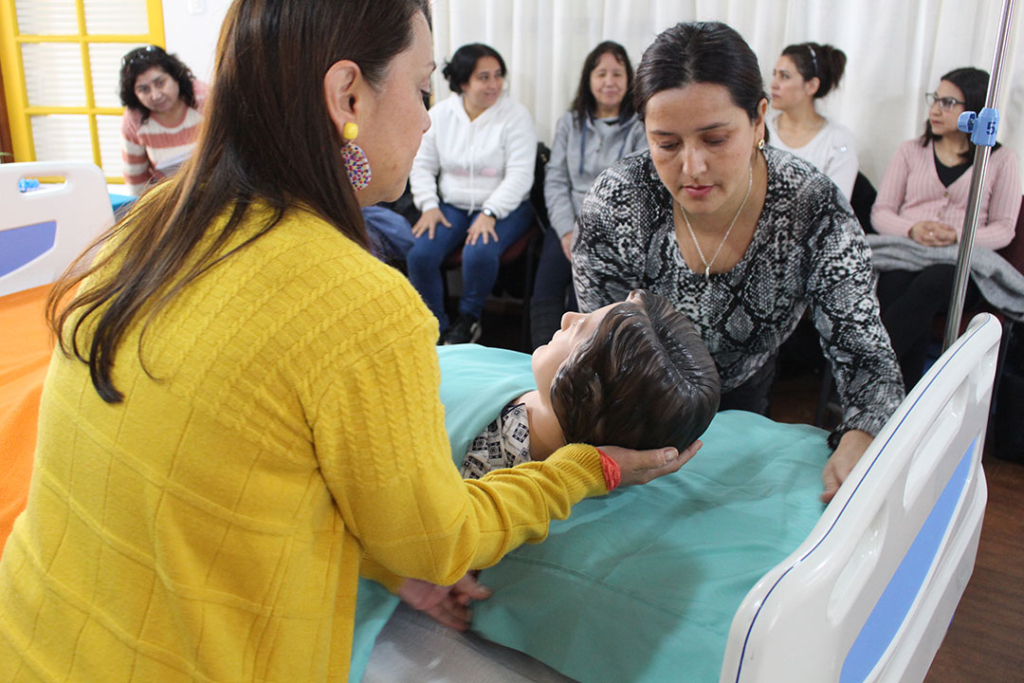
(164, 109)
(924, 198)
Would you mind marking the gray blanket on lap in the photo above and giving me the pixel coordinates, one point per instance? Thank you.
(999, 282)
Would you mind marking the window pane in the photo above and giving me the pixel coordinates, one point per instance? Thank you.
(62, 137)
(105, 62)
(109, 128)
(105, 17)
(46, 17)
(53, 74)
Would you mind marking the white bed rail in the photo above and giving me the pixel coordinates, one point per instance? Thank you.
(870, 593)
(44, 229)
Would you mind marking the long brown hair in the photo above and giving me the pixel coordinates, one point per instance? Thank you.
(266, 136)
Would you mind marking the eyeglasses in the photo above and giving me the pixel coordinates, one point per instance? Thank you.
(138, 53)
(945, 103)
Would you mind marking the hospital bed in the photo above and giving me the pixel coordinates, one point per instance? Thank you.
(866, 596)
(43, 228)
(869, 594)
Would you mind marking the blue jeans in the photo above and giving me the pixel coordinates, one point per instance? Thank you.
(479, 261)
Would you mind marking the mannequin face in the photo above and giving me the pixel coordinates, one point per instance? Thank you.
(549, 358)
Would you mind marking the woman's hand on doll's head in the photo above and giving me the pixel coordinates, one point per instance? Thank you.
(641, 467)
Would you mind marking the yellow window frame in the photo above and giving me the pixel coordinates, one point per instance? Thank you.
(16, 91)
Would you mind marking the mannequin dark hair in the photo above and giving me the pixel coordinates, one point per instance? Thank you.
(269, 73)
(701, 52)
(644, 380)
(142, 59)
(973, 83)
(584, 105)
(823, 62)
(463, 64)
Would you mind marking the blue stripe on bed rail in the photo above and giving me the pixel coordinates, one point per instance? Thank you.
(892, 607)
(757, 613)
(19, 246)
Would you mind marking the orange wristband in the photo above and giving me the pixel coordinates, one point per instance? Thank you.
(611, 470)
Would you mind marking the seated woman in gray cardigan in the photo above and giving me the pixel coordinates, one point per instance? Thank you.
(600, 128)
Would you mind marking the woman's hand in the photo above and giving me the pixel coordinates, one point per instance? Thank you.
(483, 225)
(448, 605)
(640, 467)
(837, 469)
(933, 234)
(567, 245)
(428, 223)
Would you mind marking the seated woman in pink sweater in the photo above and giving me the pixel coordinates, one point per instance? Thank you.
(924, 198)
(164, 107)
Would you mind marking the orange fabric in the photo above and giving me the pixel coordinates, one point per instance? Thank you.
(25, 348)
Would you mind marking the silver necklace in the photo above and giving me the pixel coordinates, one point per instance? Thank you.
(707, 264)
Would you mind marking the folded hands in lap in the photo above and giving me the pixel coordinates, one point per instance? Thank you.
(933, 234)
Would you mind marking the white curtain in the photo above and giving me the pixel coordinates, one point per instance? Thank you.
(896, 52)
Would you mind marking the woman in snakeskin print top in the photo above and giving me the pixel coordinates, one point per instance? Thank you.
(740, 237)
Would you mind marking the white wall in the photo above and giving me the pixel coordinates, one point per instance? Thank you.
(896, 50)
(192, 35)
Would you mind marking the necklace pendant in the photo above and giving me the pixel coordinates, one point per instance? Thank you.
(707, 273)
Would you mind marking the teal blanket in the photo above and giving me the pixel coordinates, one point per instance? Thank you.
(642, 584)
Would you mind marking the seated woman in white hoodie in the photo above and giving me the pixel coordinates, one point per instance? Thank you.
(471, 179)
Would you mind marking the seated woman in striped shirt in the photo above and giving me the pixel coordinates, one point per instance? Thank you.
(164, 108)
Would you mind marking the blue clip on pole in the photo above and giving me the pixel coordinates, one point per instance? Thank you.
(982, 127)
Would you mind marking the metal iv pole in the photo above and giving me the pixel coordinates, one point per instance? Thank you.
(982, 127)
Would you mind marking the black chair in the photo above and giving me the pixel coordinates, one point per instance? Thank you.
(862, 199)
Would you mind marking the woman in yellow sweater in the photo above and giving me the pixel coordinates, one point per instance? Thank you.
(243, 409)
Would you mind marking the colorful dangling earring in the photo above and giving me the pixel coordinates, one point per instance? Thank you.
(356, 163)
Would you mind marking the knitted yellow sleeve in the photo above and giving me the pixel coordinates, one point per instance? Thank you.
(378, 429)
